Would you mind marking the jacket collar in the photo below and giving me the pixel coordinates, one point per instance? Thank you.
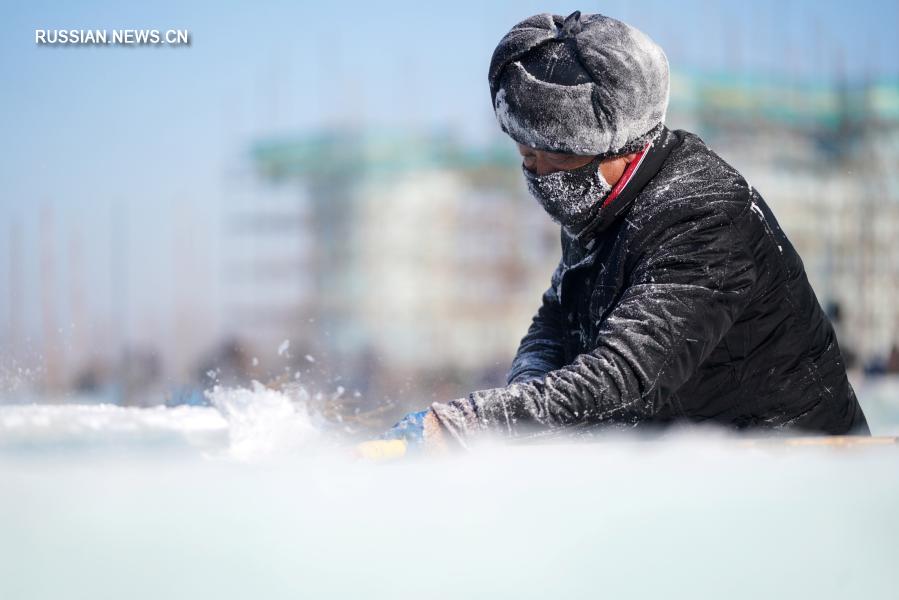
(617, 204)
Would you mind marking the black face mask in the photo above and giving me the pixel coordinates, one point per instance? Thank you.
(572, 198)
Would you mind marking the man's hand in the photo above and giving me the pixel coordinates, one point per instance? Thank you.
(434, 436)
(418, 431)
(410, 429)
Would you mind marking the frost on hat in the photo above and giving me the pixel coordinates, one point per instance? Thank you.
(585, 84)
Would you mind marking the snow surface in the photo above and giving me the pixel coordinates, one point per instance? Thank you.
(253, 499)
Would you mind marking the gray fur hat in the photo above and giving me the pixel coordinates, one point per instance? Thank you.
(585, 84)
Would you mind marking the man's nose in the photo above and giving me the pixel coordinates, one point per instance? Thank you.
(539, 167)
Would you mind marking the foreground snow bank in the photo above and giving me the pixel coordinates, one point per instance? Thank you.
(682, 519)
(245, 500)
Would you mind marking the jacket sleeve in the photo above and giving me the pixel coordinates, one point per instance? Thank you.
(690, 280)
(541, 350)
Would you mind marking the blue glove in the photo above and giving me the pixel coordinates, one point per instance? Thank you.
(410, 429)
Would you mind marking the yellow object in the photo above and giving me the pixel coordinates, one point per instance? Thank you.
(381, 449)
(836, 441)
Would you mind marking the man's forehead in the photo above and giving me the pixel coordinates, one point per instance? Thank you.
(559, 155)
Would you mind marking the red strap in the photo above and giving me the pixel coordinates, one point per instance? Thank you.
(626, 176)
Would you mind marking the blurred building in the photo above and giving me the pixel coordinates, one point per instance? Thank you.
(415, 253)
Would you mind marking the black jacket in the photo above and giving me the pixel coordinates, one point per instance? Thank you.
(685, 303)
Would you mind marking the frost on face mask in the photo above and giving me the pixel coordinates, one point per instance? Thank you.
(572, 198)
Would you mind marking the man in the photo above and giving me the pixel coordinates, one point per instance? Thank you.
(678, 297)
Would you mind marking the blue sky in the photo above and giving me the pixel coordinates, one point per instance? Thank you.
(91, 113)
(153, 130)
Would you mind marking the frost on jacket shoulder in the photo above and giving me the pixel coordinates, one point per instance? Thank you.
(690, 306)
